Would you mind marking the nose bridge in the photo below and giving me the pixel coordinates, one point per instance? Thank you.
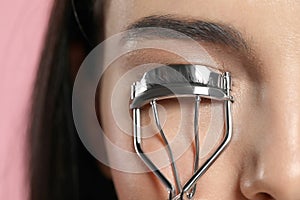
(282, 95)
(282, 91)
(279, 166)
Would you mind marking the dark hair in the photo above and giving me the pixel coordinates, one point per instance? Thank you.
(60, 166)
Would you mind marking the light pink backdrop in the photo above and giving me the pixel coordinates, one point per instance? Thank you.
(22, 27)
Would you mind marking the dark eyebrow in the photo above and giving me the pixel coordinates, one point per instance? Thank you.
(197, 29)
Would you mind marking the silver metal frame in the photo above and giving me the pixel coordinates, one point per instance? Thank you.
(174, 81)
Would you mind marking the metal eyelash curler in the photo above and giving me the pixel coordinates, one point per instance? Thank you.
(173, 81)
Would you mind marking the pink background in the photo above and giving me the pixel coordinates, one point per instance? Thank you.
(23, 25)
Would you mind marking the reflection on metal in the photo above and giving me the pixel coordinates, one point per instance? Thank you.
(174, 81)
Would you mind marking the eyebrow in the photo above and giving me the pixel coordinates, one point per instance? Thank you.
(200, 30)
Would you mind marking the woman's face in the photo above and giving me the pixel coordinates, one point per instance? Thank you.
(263, 55)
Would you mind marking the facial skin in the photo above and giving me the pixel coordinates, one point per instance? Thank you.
(263, 158)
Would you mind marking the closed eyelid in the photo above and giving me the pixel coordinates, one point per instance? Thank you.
(158, 57)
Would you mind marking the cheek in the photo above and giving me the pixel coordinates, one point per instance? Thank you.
(136, 186)
(115, 118)
(117, 124)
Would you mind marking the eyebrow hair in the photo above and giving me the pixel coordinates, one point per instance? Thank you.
(197, 29)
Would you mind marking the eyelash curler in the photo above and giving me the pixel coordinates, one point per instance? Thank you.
(174, 81)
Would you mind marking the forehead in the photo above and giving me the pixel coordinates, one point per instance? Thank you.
(240, 13)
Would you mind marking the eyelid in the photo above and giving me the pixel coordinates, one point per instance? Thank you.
(160, 57)
(191, 51)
